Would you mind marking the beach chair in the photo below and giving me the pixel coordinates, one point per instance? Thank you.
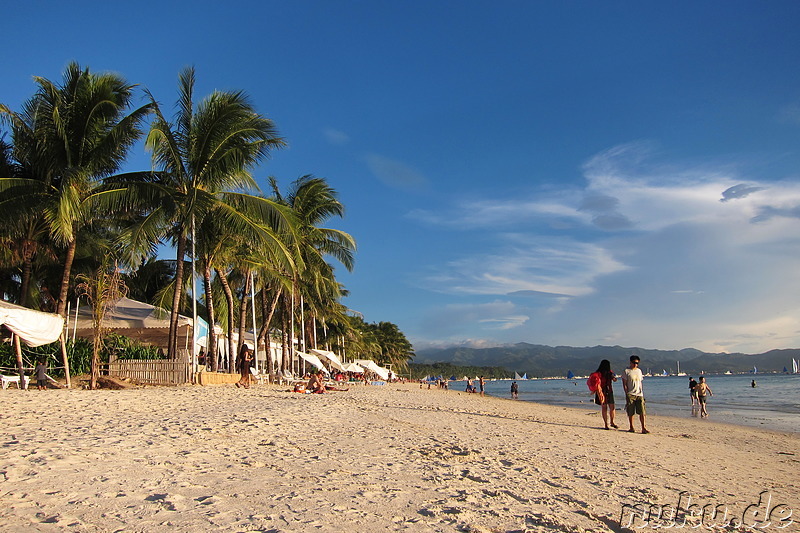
(8, 380)
(260, 378)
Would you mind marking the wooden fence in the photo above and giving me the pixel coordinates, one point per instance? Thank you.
(152, 372)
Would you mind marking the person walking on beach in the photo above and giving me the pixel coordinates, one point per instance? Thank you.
(41, 375)
(634, 396)
(692, 391)
(703, 390)
(604, 393)
(245, 360)
(514, 390)
(481, 384)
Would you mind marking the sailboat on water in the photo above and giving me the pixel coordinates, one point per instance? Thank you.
(570, 375)
(679, 369)
(794, 366)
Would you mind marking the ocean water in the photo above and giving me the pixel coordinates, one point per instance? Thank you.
(774, 404)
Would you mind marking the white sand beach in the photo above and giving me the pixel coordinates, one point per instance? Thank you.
(394, 458)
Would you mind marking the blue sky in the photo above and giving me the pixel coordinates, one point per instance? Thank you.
(563, 173)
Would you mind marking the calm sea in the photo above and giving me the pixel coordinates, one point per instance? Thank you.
(773, 404)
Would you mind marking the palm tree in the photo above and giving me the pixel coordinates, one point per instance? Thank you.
(67, 138)
(204, 159)
(313, 201)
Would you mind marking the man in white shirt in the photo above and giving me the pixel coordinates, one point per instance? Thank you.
(634, 397)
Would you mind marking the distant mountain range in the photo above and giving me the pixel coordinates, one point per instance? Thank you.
(548, 361)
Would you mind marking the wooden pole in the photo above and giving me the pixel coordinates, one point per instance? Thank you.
(64, 357)
(18, 349)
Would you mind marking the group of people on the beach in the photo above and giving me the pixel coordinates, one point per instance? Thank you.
(699, 390)
(601, 383)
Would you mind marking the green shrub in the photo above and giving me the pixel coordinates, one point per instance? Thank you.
(79, 354)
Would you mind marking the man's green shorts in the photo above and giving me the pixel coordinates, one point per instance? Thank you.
(634, 405)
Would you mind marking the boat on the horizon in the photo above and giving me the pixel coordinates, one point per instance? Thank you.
(570, 375)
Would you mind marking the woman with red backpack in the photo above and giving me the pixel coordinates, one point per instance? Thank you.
(601, 383)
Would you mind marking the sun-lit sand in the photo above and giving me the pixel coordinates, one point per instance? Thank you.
(395, 457)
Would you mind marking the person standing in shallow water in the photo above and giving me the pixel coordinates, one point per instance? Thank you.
(604, 397)
(514, 390)
(481, 384)
(703, 390)
(634, 395)
(692, 391)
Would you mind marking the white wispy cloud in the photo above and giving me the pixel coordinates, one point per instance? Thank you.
(484, 318)
(395, 173)
(524, 263)
(336, 137)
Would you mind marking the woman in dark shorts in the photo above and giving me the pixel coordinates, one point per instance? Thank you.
(604, 396)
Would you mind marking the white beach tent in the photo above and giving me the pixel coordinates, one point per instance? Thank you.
(35, 328)
(312, 359)
(138, 320)
(354, 368)
(373, 367)
(330, 356)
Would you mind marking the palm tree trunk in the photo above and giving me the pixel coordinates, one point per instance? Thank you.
(95, 367)
(287, 357)
(264, 333)
(61, 308)
(27, 268)
(243, 310)
(212, 335)
(172, 346)
(226, 288)
(268, 312)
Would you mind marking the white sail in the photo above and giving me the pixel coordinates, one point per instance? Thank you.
(517, 376)
(794, 365)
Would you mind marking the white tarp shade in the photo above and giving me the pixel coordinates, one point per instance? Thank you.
(373, 367)
(34, 327)
(330, 356)
(352, 367)
(312, 359)
(137, 320)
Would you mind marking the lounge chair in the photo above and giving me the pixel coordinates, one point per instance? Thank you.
(260, 378)
(8, 380)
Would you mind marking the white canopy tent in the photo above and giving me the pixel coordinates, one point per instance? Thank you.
(354, 368)
(138, 320)
(35, 328)
(373, 367)
(311, 359)
(330, 356)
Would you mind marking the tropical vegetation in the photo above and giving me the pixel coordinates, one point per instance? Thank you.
(75, 225)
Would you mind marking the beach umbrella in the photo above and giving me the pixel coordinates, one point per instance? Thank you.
(330, 356)
(311, 359)
(352, 367)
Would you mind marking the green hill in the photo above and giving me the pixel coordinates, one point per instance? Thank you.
(552, 361)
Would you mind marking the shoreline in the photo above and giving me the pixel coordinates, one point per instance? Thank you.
(620, 414)
(714, 418)
(392, 457)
